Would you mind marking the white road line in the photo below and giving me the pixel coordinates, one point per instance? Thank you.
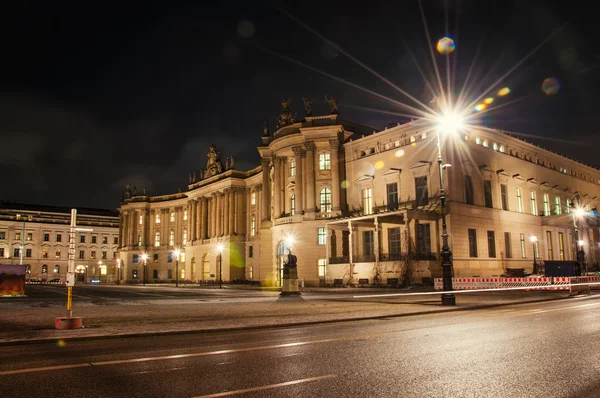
(267, 387)
(45, 369)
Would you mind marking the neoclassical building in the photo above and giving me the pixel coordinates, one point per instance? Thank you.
(38, 236)
(362, 206)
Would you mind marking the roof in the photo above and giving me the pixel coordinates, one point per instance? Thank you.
(57, 209)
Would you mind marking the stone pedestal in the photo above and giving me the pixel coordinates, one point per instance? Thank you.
(290, 281)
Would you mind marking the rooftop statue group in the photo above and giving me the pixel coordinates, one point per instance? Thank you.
(286, 117)
(213, 165)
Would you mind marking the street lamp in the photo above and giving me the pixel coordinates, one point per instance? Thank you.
(578, 213)
(448, 123)
(99, 270)
(220, 248)
(145, 258)
(119, 271)
(177, 252)
(533, 239)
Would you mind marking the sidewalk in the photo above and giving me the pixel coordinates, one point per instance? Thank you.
(21, 324)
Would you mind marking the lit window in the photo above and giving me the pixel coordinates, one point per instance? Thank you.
(325, 200)
(322, 236)
(172, 238)
(568, 206)
(57, 269)
(533, 203)
(45, 252)
(141, 220)
(157, 239)
(18, 236)
(253, 198)
(495, 146)
(139, 239)
(158, 218)
(172, 216)
(519, 201)
(103, 270)
(546, 204)
(485, 143)
(367, 201)
(293, 204)
(478, 141)
(185, 215)
(322, 267)
(412, 138)
(93, 254)
(185, 236)
(44, 269)
(253, 226)
(29, 236)
(292, 167)
(324, 161)
(397, 143)
(182, 257)
(386, 146)
(424, 135)
(557, 205)
(501, 149)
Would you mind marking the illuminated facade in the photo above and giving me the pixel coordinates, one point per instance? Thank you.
(363, 207)
(41, 234)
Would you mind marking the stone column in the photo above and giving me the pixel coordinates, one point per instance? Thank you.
(198, 218)
(190, 221)
(203, 217)
(147, 224)
(123, 238)
(240, 195)
(283, 192)
(265, 195)
(298, 152)
(226, 212)
(376, 243)
(132, 237)
(310, 176)
(231, 212)
(335, 174)
(213, 215)
(277, 161)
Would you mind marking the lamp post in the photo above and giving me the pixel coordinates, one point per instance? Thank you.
(448, 123)
(533, 239)
(145, 258)
(579, 212)
(99, 270)
(118, 271)
(220, 248)
(177, 252)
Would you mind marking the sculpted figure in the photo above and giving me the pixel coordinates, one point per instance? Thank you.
(266, 129)
(307, 106)
(231, 163)
(333, 104)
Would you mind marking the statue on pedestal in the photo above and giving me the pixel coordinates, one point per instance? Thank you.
(286, 117)
(333, 105)
(213, 165)
(127, 191)
(307, 107)
(290, 276)
(266, 129)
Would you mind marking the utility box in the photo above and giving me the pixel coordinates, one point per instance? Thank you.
(70, 278)
(561, 268)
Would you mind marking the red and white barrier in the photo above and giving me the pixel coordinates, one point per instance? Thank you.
(535, 283)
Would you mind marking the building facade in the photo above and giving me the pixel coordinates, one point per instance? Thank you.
(363, 206)
(39, 237)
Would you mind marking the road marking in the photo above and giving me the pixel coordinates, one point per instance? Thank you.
(44, 369)
(267, 387)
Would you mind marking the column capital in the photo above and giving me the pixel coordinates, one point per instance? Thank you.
(334, 143)
(265, 162)
(257, 188)
(298, 150)
(202, 199)
(310, 146)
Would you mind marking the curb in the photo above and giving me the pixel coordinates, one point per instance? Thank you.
(263, 327)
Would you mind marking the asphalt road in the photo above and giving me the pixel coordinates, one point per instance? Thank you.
(527, 350)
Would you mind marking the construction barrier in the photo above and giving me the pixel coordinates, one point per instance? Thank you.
(535, 283)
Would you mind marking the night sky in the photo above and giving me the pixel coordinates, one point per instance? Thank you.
(95, 95)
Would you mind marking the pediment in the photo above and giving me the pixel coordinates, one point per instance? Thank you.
(291, 184)
(420, 163)
(545, 184)
(364, 178)
(532, 181)
(518, 177)
(502, 172)
(485, 167)
(557, 188)
(392, 171)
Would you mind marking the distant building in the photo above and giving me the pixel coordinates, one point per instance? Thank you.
(41, 234)
(363, 205)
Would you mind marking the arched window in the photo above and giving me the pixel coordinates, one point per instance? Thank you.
(57, 269)
(293, 204)
(44, 269)
(253, 226)
(172, 238)
(157, 239)
(501, 148)
(172, 216)
(485, 143)
(325, 200)
(495, 146)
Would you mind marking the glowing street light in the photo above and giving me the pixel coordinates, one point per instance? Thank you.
(289, 241)
(220, 249)
(533, 239)
(176, 253)
(145, 258)
(578, 213)
(447, 123)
